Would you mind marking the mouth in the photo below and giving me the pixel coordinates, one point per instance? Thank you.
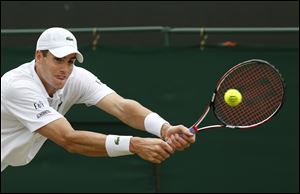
(61, 77)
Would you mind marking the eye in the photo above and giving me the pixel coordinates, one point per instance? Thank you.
(72, 61)
(58, 59)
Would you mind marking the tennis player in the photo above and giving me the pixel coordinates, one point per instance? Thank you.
(36, 95)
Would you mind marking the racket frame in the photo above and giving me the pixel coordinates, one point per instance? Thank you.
(194, 128)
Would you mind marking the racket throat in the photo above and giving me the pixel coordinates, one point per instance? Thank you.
(194, 129)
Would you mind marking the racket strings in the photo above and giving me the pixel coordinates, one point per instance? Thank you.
(262, 90)
(255, 98)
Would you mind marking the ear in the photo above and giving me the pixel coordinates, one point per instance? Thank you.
(38, 56)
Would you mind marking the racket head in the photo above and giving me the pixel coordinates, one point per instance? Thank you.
(263, 92)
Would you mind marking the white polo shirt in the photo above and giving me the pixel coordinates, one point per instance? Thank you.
(26, 107)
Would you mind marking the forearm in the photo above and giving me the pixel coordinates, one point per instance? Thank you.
(128, 111)
(136, 115)
(133, 114)
(93, 144)
(85, 143)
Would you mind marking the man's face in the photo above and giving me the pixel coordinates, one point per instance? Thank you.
(53, 71)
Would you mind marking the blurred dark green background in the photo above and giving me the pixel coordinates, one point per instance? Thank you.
(177, 83)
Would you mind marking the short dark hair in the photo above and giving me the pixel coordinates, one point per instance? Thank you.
(45, 52)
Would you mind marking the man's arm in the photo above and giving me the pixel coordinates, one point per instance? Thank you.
(94, 144)
(128, 111)
(133, 114)
(83, 142)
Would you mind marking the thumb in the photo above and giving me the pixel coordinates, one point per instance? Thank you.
(186, 131)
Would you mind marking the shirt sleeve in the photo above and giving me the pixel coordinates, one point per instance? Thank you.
(91, 89)
(24, 101)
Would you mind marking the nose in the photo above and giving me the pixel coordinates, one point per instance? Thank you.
(66, 68)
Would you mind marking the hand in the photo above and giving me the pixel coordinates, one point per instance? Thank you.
(152, 149)
(179, 137)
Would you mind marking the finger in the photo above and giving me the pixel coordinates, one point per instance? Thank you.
(181, 139)
(167, 147)
(192, 139)
(189, 139)
(186, 131)
(155, 155)
(155, 161)
(176, 143)
(159, 157)
(170, 142)
(166, 150)
(183, 143)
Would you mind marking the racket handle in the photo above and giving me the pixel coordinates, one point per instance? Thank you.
(193, 130)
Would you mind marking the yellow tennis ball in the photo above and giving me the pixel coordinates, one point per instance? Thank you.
(233, 97)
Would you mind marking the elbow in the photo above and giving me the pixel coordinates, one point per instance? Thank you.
(70, 147)
(67, 143)
(130, 109)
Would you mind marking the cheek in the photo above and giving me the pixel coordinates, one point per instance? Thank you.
(71, 69)
(45, 69)
(50, 72)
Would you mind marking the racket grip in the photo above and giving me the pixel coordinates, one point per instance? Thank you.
(192, 130)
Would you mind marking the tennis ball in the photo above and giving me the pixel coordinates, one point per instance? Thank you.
(233, 97)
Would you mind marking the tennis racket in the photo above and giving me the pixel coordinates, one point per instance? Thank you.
(262, 88)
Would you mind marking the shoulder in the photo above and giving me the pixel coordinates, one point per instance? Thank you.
(82, 76)
(80, 72)
(18, 81)
(19, 88)
(20, 73)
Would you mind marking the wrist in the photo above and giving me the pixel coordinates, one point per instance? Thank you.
(117, 145)
(153, 124)
(164, 130)
(132, 144)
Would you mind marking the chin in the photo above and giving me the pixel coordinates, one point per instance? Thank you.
(60, 85)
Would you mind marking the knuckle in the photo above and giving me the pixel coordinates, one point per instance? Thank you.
(157, 147)
(154, 155)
